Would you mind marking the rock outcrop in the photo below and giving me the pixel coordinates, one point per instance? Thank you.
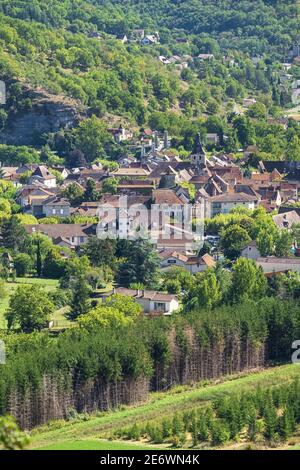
(47, 113)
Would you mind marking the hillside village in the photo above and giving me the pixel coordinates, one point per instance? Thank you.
(149, 225)
(217, 185)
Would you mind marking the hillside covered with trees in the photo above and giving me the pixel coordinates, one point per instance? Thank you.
(75, 49)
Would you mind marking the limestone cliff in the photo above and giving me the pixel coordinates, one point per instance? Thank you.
(47, 113)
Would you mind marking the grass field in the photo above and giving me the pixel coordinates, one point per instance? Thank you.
(10, 287)
(102, 425)
(96, 445)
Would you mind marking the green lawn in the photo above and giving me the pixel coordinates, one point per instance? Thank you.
(47, 284)
(160, 404)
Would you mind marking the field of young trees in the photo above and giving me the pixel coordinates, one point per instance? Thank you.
(129, 426)
(104, 363)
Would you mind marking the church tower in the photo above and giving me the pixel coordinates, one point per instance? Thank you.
(198, 157)
(143, 154)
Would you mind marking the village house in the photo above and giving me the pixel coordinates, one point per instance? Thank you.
(94, 35)
(137, 34)
(250, 251)
(135, 172)
(120, 134)
(122, 38)
(87, 209)
(56, 207)
(132, 186)
(213, 138)
(75, 234)
(150, 39)
(203, 57)
(10, 173)
(33, 194)
(64, 172)
(44, 176)
(286, 220)
(224, 203)
(272, 265)
(247, 102)
(193, 264)
(151, 301)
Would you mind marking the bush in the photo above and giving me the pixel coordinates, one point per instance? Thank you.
(134, 432)
(23, 264)
(155, 434)
(219, 433)
(60, 298)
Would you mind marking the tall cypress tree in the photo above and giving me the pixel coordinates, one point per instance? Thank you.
(271, 421)
(80, 298)
(38, 259)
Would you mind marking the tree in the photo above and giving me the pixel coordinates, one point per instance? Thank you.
(75, 158)
(117, 311)
(74, 267)
(293, 149)
(140, 264)
(110, 185)
(125, 305)
(53, 265)
(271, 420)
(101, 252)
(252, 423)
(13, 234)
(5, 206)
(219, 433)
(30, 308)
(265, 242)
(172, 286)
(23, 264)
(233, 239)
(91, 136)
(286, 424)
(258, 111)
(245, 130)
(80, 304)
(180, 275)
(206, 291)
(38, 258)
(248, 281)
(283, 244)
(91, 193)
(74, 193)
(11, 438)
(203, 428)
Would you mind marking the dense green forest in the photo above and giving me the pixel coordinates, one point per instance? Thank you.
(72, 49)
(253, 26)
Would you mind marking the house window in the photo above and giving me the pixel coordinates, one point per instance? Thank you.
(61, 211)
(160, 306)
(53, 211)
(171, 261)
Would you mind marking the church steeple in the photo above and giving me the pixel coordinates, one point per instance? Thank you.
(143, 153)
(198, 156)
(198, 148)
